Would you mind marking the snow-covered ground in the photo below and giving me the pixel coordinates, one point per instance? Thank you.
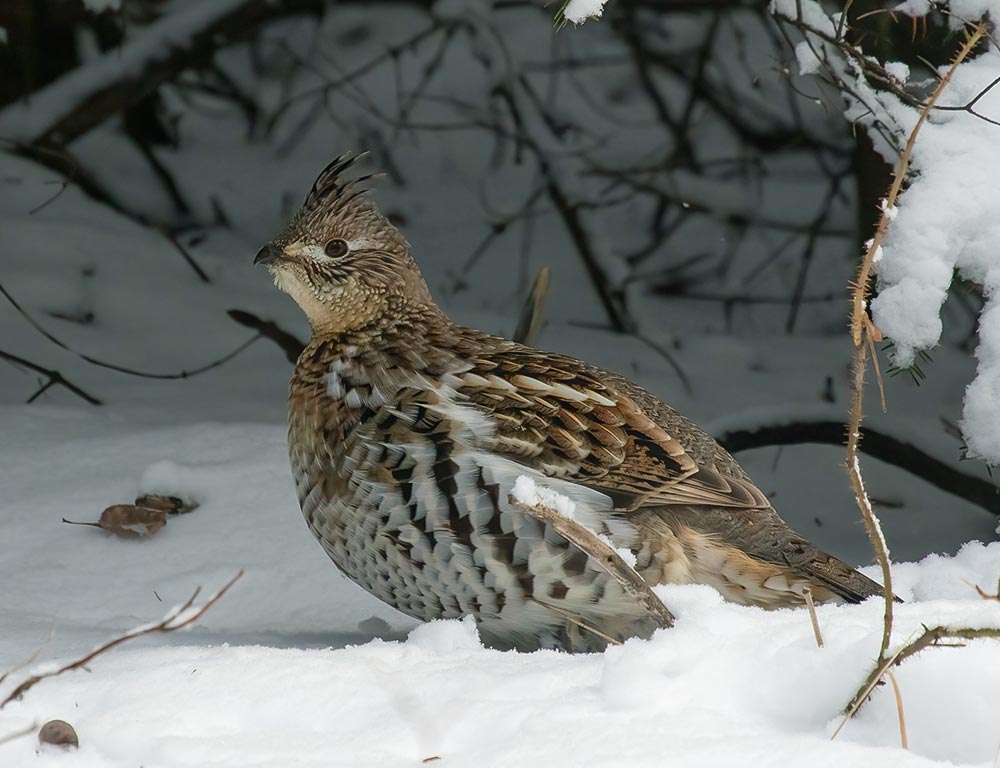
(296, 665)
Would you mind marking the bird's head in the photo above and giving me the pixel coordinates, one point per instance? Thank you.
(341, 259)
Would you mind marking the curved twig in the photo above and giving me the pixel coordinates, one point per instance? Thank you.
(179, 618)
(185, 374)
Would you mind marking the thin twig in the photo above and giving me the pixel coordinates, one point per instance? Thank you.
(899, 709)
(807, 595)
(172, 622)
(600, 552)
(185, 374)
(533, 312)
(930, 637)
(54, 378)
(862, 330)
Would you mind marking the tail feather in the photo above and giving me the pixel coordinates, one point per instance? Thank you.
(739, 551)
(840, 578)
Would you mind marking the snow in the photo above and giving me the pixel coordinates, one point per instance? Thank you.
(298, 666)
(899, 70)
(530, 494)
(279, 673)
(946, 219)
(30, 119)
(578, 11)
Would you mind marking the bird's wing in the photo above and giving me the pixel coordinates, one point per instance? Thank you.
(563, 418)
(419, 465)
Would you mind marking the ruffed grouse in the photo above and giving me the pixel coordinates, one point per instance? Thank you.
(407, 434)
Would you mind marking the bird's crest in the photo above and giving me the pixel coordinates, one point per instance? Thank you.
(332, 190)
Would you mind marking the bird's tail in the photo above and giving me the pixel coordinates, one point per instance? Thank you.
(840, 578)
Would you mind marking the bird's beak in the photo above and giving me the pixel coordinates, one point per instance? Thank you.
(269, 254)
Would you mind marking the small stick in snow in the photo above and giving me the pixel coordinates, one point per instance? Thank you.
(899, 709)
(21, 665)
(179, 618)
(807, 595)
(529, 325)
(575, 620)
(984, 594)
(611, 561)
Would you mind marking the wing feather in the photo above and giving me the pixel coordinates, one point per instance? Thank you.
(563, 417)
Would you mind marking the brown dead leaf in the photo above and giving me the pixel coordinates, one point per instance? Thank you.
(129, 521)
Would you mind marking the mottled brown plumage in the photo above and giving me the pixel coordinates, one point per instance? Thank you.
(407, 432)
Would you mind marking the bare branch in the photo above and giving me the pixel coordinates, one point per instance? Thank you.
(289, 343)
(631, 582)
(529, 325)
(875, 443)
(930, 637)
(83, 99)
(54, 379)
(179, 618)
(864, 334)
(184, 374)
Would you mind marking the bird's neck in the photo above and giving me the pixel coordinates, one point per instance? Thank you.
(342, 377)
(409, 338)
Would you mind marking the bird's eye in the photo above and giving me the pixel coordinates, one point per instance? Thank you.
(336, 248)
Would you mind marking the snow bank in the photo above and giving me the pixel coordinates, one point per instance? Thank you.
(726, 683)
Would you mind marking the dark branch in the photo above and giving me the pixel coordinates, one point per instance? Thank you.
(55, 378)
(881, 446)
(184, 374)
(289, 344)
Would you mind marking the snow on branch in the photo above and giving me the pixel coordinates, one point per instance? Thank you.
(578, 11)
(557, 511)
(88, 95)
(945, 221)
